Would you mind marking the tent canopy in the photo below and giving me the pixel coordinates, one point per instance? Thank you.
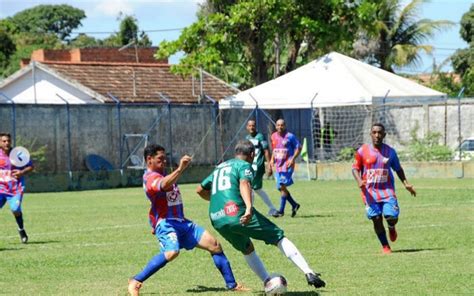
(332, 80)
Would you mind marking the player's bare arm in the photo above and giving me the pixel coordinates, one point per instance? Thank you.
(408, 186)
(19, 173)
(172, 178)
(268, 160)
(246, 193)
(356, 174)
(291, 162)
(203, 193)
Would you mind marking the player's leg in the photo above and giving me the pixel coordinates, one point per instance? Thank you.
(374, 212)
(208, 242)
(255, 263)
(391, 212)
(167, 235)
(272, 211)
(15, 206)
(285, 180)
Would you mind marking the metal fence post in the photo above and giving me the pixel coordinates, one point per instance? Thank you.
(119, 119)
(68, 114)
(9, 100)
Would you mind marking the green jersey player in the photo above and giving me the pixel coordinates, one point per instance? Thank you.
(232, 214)
(262, 154)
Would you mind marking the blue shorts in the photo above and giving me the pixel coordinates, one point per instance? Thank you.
(174, 235)
(283, 178)
(14, 201)
(388, 208)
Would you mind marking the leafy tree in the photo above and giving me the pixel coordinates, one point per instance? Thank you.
(249, 42)
(463, 59)
(56, 19)
(396, 36)
(83, 40)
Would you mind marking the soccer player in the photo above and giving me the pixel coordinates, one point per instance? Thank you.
(286, 149)
(262, 154)
(12, 183)
(372, 171)
(169, 224)
(232, 214)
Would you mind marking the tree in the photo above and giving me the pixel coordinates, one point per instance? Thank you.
(463, 59)
(56, 19)
(249, 42)
(396, 36)
(83, 40)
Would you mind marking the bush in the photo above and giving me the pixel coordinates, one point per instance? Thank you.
(37, 152)
(346, 154)
(426, 149)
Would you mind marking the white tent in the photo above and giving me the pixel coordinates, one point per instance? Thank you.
(332, 80)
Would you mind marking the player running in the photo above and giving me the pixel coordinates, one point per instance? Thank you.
(12, 183)
(171, 228)
(286, 149)
(372, 171)
(232, 214)
(262, 154)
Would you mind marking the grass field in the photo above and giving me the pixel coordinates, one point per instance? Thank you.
(90, 242)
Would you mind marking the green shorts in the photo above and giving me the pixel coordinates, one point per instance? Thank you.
(257, 182)
(259, 228)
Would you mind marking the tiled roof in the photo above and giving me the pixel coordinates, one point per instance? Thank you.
(118, 79)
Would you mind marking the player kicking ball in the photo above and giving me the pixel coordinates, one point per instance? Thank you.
(372, 171)
(232, 214)
(173, 231)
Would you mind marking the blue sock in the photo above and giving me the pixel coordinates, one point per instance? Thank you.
(221, 262)
(383, 238)
(291, 201)
(19, 221)
(282, 204)
(153, 266)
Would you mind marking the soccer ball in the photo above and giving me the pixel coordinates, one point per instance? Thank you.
(276, 285)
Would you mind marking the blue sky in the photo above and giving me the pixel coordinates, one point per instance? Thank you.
(176, 14)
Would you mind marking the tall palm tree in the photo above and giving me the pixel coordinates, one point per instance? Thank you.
(397, 36)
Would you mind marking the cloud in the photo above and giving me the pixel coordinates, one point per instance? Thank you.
(114, 7)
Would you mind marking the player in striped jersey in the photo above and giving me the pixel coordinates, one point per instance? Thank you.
(12, 183)
(372, 171)
(169, 225)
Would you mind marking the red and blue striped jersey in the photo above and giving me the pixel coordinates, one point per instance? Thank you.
(8, 184)
(283, 148)
(164, 204)
(375, 166)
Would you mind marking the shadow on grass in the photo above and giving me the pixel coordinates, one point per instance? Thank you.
(42, 242)
(204, 289)
(313, 216)
(417, 250)
(9, 249)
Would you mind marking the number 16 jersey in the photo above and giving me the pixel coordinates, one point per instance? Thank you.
(226, 204)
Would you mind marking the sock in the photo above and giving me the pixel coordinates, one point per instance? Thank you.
(291, 201)
(221, 262)
(383, 239)
(282, 204)
(292, 253)
(265, 199)
(153, 266)
(19, 221)
(256, 265)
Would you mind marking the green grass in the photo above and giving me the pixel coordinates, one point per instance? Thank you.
(90, 242)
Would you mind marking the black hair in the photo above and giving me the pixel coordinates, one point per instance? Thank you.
(5, 135)
(379, 125)
(244, 147)
(152, 150)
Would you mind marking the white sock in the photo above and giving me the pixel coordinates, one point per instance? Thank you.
(290, 251)
(256, 265)
(265, 198)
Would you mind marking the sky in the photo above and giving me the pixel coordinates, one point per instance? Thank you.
(164, 19)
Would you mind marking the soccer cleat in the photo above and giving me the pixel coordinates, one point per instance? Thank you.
(240, 288)
(23, 236)
(274, 213)
(392, 233)
(313, 279)
(134, 287)
(386, 250)
(294, 210)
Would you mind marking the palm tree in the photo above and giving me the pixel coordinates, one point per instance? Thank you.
(397, 37)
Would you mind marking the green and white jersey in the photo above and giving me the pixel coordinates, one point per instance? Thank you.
(226, 204)
(260, 144)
